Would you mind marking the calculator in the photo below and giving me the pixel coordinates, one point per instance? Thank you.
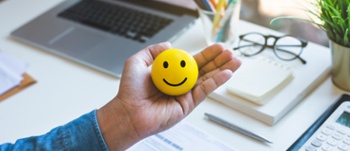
(331, 131)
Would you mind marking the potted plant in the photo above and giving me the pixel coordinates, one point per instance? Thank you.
(333, 16)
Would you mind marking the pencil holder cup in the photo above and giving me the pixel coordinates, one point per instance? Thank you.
(221, 26)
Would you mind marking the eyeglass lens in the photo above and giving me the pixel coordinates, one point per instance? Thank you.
(251, 44)
(288, 48)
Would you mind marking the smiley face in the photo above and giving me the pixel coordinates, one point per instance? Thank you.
(174, 72)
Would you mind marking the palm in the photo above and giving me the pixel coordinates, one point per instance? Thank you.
(154, 111)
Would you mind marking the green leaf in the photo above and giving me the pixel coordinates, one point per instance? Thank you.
(333, 16)
(346, 40)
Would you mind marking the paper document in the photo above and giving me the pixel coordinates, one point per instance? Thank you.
(11, 71)
(181, 137)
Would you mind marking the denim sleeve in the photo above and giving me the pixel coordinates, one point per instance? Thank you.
(82, 133)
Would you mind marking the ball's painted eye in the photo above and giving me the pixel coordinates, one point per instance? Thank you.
(165, 64)
(183, 63)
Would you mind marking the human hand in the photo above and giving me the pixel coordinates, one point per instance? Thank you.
(141, 110)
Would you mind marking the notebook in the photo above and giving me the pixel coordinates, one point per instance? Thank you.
(259, 79)
(102, 34)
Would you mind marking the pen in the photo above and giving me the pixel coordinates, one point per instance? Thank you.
(236, 128)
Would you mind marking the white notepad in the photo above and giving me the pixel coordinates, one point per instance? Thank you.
(260, 79)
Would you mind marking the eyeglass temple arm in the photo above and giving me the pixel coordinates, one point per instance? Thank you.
(253, 44)
(236, 48)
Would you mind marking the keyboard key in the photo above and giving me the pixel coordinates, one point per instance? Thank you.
(343, 147)
(337, 136)
(327, 131)
(347, 140)
(332, 142)
(316, 143)
(332, 127)
(310, 148)
(322, 137)
(341, 131)
(126, 22)
(326, 147)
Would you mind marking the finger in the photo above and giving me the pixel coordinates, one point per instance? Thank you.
(232, 65)
(209, 53)
(202, 90)
(148, 54)
(207, 76)
(225, 60)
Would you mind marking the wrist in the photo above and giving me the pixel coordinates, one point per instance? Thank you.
(116, 126)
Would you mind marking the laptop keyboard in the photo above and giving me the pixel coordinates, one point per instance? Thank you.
(126, 22)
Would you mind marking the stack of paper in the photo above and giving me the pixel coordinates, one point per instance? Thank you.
(306, 78)
(11, 72)
(259, 79)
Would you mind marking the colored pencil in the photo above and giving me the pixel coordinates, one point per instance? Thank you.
(209, 6)
(217, 16)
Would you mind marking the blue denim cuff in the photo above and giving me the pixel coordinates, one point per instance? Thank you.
(82, 133)
(98, 133)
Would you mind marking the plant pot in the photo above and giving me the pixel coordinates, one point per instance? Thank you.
(340, 66)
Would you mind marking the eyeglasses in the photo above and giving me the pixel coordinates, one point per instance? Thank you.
(285, 47)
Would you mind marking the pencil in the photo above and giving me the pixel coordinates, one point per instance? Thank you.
(214, 3)
(219, 9)
(209, 6)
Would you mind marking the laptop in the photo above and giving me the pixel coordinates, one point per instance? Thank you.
(102, 34)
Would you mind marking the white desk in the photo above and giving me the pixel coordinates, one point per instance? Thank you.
(66, 90)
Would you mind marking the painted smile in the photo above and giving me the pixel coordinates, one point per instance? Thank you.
(174, 85)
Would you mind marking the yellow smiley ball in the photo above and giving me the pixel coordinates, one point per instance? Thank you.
(174, 72)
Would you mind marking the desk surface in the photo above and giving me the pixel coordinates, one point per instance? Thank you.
(66, 90)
